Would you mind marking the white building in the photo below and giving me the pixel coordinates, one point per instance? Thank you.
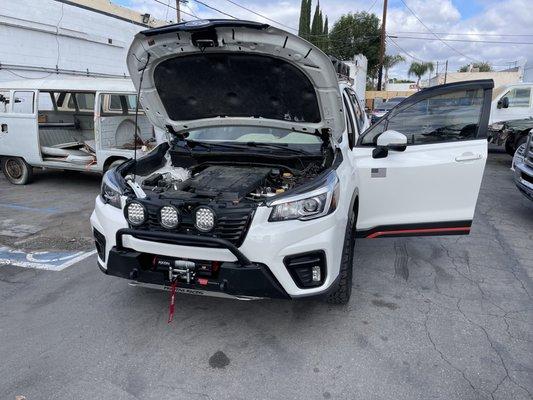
(358, 70)
(40, 38)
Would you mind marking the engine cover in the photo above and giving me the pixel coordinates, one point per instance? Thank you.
(226, 182)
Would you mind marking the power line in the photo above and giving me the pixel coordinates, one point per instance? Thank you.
(404, 51)
(174, 8)
(465, 33)
(215, 9)
(191, 10)
(460, 40)
(261, 15)
(437, 36)
(372, 6)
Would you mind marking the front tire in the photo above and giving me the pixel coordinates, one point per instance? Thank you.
(16, 170)
(343, 290)
(509, 146)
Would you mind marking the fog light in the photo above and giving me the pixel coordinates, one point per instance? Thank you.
(205, 219)
(316, 274)
(169, 217)
(136, 214)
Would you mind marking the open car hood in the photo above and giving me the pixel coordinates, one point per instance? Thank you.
(230, 72)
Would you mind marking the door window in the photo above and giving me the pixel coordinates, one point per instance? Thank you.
(23, 102)
(45, 101)
(4, 101)
(519, 97)
(446, 118)
(85, 101)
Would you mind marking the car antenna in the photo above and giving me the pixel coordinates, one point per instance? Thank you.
(137, 102)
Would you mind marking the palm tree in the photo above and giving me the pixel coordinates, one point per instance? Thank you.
(419, 70)
(389, 62)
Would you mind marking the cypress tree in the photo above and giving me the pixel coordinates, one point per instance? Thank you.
(326, 35)
(301, 26)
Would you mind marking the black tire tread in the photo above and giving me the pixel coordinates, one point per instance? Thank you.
(341, 294)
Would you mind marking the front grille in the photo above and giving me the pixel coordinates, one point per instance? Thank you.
(231, 224)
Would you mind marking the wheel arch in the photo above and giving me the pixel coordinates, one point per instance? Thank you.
(111, 159)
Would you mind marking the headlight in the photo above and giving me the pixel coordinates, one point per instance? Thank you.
(110, 190)
(316, 204)
(169, 217)
(205, 219)
(135, 213)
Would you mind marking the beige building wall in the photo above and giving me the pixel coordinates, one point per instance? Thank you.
(500, 78)
(123, 12)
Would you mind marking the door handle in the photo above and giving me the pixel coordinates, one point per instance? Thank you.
(468, 157)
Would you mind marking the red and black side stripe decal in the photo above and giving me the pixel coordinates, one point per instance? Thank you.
(424, 229)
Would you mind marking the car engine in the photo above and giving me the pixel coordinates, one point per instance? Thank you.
(224, 183)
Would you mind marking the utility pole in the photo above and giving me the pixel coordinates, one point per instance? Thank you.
(178, 14)
(382, 46)
(446, 71)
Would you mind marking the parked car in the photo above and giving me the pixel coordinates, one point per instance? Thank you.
(384, 108)
(80, 124)
(523, 167)
(510, 134)
(512, 102)
(270, 174)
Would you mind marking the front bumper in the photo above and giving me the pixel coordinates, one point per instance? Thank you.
(524, 179)
(264, 249)
(251, 281)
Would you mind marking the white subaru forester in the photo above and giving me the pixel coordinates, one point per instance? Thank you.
(270, 172)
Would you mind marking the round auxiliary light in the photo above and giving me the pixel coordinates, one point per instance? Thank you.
(169, 217)
(205, 219)
(136, 213)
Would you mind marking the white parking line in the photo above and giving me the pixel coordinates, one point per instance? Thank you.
(47, 260)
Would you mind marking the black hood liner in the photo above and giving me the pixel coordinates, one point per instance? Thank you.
(211, 85)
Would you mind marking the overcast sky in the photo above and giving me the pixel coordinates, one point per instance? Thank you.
(483, 20)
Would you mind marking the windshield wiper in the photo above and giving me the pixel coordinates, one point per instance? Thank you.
(209, 145)
(277, 146)
(240, 146)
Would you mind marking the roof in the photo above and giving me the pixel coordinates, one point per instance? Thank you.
(72, 83)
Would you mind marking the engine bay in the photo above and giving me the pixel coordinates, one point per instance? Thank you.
(226, 183)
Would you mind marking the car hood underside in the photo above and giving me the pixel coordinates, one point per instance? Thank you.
(227, 72)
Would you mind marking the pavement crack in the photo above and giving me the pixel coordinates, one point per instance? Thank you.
(496, 350)
(441, 354)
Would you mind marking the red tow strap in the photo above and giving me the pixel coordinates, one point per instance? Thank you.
(172, 300)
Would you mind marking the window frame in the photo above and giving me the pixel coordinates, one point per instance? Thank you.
(350, 121)
(33, 103)
(485, 85)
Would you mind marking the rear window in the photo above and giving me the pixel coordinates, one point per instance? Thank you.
(235, 85)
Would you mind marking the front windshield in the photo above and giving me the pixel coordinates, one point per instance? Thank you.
(254, 134)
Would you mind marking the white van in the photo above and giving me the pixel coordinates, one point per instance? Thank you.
(512, 102)
(82, 124)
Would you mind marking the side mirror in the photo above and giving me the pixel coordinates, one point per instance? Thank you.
(503, 102)
(389, 140)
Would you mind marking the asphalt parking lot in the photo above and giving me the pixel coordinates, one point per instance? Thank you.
(429, 318)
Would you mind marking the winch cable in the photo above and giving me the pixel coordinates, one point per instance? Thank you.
(137, 102)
